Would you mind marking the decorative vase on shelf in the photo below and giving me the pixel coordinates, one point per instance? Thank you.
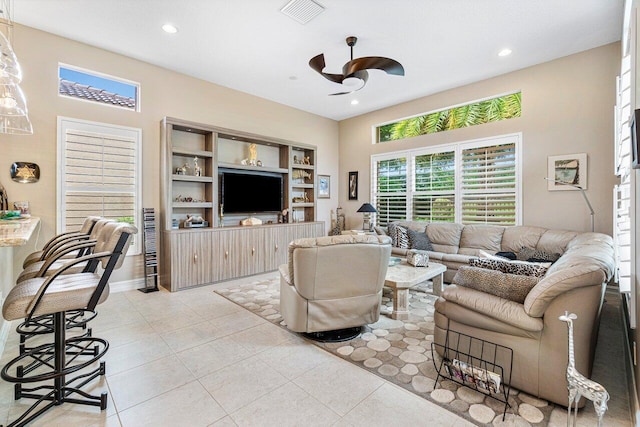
(197, 171)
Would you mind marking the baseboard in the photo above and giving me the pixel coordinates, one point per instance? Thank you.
(126, 285)
(634, 405)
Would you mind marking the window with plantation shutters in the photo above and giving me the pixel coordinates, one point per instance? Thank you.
(433, 197)
(98, 173)
(489, 188)
(468, 182)
(390, 189)
(622, 191)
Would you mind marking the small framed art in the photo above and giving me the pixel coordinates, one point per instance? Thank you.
(353, 185)
(324, 186)
(566, 172)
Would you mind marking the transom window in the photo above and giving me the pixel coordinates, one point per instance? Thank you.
(92, 86)
(468, 182)
(473, 113)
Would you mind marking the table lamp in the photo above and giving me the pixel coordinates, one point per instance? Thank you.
(367, 210)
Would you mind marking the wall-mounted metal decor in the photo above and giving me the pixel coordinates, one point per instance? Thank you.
(25, 172)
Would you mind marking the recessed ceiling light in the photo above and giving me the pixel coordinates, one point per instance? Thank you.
(504, 52)
(354, 102)
(170, 28)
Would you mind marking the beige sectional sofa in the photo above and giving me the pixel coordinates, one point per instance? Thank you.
(574, 283)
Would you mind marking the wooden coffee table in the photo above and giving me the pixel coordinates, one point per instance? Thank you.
(401, 277)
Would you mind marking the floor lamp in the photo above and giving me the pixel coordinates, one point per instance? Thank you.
(592, 213)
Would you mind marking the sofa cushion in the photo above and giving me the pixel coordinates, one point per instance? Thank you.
(445, 236)
(515, 238)
(506, 311)
(476, 237)
(559, 282)
(555, 241)
(521, 268)
(381, 231)
(508, 286)
(419, 240)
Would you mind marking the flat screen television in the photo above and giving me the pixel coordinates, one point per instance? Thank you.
(250, 192)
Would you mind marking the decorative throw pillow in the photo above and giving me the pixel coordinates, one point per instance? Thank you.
(487, 255)
(529, 254)
(391, 230)
(521, 268)
(402, 237)
(419, 240)
(508, 286)
(508, 255)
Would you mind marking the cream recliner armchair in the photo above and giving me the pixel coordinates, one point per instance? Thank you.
(333, 283)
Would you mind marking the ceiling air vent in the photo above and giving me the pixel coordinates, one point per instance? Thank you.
(302, 11)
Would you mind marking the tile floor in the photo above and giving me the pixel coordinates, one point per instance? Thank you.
(193, 358)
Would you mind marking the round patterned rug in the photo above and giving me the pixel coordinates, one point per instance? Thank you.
(400, 351)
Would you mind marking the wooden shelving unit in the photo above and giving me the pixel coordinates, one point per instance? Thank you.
(196, 256)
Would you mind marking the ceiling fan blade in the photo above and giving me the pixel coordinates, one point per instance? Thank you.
(388, 65)
(317, 64)
(362, 75)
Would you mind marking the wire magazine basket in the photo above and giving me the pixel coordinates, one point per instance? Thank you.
(475, 363)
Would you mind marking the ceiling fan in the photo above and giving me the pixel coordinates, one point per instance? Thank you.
(356, 69)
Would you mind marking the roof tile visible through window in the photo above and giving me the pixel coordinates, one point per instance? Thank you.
(74, 89)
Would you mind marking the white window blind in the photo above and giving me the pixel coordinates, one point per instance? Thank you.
(489, 184)
(434, 193)
(622, 191)
(468, 182)
(98, 173)
(390, 189)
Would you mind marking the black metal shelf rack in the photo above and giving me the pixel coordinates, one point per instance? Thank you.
(150, 251)
(475, 363)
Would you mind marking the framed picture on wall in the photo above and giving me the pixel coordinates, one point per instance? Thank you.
(324, 186)
(353, 185)
(566, 171)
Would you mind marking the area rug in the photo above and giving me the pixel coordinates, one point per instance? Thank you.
(400, 351)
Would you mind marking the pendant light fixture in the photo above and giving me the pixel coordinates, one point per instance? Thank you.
(14, 117)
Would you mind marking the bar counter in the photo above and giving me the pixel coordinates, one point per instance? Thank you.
(17, 232)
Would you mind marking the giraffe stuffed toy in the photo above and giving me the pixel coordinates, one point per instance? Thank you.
(579, 385)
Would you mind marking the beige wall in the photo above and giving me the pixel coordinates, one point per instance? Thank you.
(567, 107)
(163, 93)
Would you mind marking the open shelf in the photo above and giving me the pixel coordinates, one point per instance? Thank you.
(192, 205)
(226, 165)
(192, 178)
(181, 151)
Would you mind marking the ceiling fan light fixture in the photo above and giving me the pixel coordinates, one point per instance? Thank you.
(356, 69)
(351, 81)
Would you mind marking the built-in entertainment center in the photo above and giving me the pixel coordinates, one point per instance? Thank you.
(211, 179)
